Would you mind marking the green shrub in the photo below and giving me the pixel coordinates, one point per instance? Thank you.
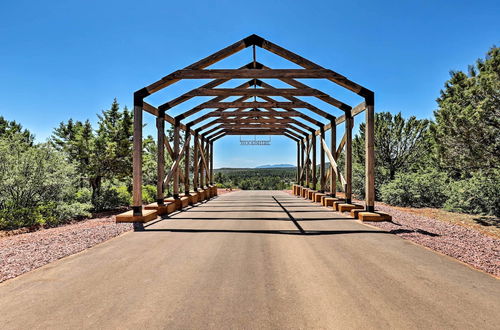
(148, 194)
(72, 211)
(112, 197)
(83, 195)
(416, 189)
(478, 195)
(17, 217)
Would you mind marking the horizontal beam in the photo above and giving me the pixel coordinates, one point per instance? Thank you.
(254, 73)
(255, 92)
(239, 104)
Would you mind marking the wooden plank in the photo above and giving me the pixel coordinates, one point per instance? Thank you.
(333, 142)
(195, 162)
(239, 104)
(370, 157)
(207, 61)
(299, 60)
(186, 162)
(348, 159)
(341, 146)
(160, 168)
(137, 161)
(333, 163)
(255, 92)
(253, 73)
(328, 99)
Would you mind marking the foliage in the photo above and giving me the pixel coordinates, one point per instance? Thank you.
(399, 146)
(101, 155)
(416, 189)
(479, 194)
(11, 129)
(148, 194)
(112, 197)
(467, 127)
(35, 185)
(256, 179)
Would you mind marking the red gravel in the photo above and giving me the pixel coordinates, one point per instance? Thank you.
(465, 244)
(21, 253)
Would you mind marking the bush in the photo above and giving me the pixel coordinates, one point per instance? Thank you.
(416, 189)
(17, 217)
(76, 210)
(112, 197)
(478, 195)
(148, 194)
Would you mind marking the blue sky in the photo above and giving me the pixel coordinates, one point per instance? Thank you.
(69, 59)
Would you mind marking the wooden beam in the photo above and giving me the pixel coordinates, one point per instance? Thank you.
(299, 60)
(370, 155)
(333, 143)
(348, 159)
(253, 73)
(207, 61)
(137, 160)
(160, 163)
(333, 163)
(322, 165)
(255, 92)
(186, 162)
(195, 162)
(240, 104)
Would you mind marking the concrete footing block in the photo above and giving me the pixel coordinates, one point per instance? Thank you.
(317, 197)
(160, 209)
(328, 201)
(374, 216)
(348, 207)
(147, 215)
(310, 194)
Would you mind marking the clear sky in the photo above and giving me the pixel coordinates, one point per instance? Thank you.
(69, 59)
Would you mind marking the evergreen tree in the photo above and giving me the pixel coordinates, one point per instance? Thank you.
(467, 128)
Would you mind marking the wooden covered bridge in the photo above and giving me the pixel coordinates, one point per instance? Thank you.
(256, 111)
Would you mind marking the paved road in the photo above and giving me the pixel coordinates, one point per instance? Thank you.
(242, 261)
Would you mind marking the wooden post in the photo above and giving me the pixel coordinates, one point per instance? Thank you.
(137, 157)
(302, 161)
(308, 150)
(187, 159)
(195, 162)
(176, 155)
(333, 147)
(322, 173)
(211, 162)
(202, 168)
(370, 154)
(313, 167)
(348, 158)
(160, 165)
(298, 162)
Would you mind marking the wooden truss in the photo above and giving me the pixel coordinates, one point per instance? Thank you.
(247, 116)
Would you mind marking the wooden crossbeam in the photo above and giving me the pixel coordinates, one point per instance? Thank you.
(341, 146)
(255, 92)
(176, 163)
(239, 104)
(333, 163)
(253, 73)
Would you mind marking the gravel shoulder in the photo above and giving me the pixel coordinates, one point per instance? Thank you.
(24, 252)
(453, 234)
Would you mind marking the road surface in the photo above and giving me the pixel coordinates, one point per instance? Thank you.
(253, 260)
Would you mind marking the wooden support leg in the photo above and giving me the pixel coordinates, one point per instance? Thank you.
(160, 169)
(333, 147)
(308, 184)
(370, 154)
(176, 154)
(348, 159)
(137, 158)
(322, 174)
(298, 162)
(195, 162)
(211, 163)
(202, 169)
(186, 163)
(302, 162)
(313, 167)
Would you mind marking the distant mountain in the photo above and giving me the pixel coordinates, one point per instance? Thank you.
(275, 166)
